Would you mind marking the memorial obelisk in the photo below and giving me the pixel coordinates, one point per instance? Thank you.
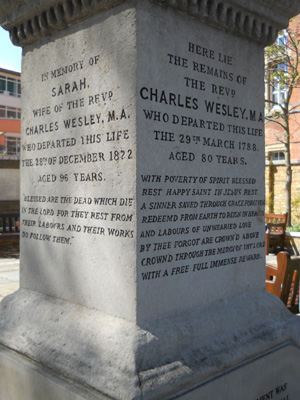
(142, 266)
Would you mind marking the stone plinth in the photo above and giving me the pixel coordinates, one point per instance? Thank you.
(142, 201)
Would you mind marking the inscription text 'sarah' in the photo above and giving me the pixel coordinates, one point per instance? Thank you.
(187, 209)
(78, 165)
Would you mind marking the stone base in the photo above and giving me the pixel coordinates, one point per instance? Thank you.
(274, 375)
(244, 348)
(22, 378)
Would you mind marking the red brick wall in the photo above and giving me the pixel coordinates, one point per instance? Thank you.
(273, 131)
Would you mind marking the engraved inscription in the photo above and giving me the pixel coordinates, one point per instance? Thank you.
(72, 143)
(200, 222)
(280, 392)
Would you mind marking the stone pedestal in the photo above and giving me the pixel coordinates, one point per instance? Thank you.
(142, 200)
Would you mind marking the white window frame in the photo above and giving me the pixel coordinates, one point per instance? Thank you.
(7, 110)
(7, 154)
(277, 155)
(279, 92)
(17, 86)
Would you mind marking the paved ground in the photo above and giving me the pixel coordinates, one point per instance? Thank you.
(9, 276)
(271, 259)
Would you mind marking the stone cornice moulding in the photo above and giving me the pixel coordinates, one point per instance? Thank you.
(258, 20)
(33, 20)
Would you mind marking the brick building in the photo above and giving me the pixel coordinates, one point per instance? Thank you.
(10, 139)
(275, 170)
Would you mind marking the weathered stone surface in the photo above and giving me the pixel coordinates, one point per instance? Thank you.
(142, 195)
(136, 187)
(79, 165)
(21, 378)
(279, 383)
(29, 22)
(164, 357)
(258, 19)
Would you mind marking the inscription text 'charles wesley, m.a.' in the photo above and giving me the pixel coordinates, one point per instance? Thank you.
(201, 212)
(161, 168)
(81, 135)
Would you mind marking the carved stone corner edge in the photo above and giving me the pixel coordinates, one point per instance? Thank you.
(230, 18)
(61, 14)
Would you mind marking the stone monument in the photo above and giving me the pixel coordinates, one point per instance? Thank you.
(142, 204)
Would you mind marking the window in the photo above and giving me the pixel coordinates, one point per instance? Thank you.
(2, 112)
(2, 84)
(10, 112)
(279, 90)
(282, 39)
(10, 86)
(11, 148)
(278, 73)
(277, 156)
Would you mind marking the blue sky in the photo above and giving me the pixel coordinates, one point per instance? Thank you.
(10, 55)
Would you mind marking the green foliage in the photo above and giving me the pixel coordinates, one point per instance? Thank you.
(295, 227)
(282, 73)
(295, 204)
(282, 69)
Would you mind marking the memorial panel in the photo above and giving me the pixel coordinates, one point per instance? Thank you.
(200, 164)
(199, 181)
(78, 166)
